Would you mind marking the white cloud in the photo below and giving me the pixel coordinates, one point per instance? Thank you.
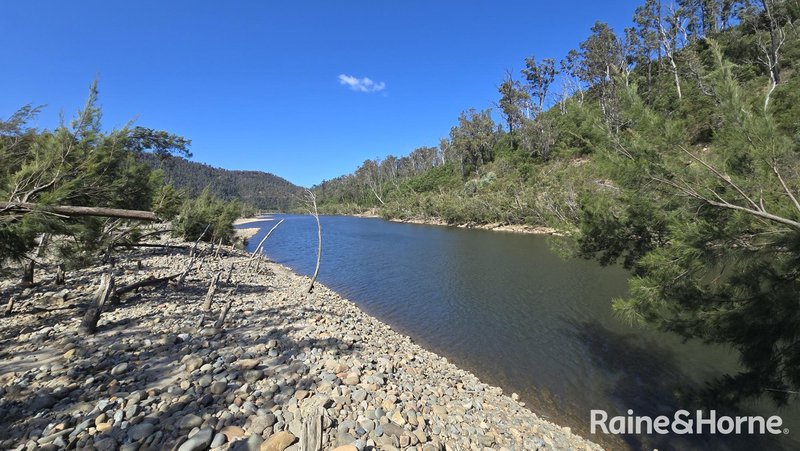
(361, 84)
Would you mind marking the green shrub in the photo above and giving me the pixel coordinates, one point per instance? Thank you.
(207, 211)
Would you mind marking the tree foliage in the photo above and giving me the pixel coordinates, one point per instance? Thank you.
(673, 150)
(77, 164)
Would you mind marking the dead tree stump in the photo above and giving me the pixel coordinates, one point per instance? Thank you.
(212, 288)
(92, 315)
(60, 277)
(10, 305)
(311, 433)
(27, 274)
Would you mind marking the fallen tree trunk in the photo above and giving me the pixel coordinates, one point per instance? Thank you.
(150, 281)
(70, 210)
(164, 246)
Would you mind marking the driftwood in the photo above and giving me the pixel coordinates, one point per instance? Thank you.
(150, 281)
(261, 244)
(92, 315)
(230, 274)
(313, 200)
(212, 288)
(311, 430)
(70, 211)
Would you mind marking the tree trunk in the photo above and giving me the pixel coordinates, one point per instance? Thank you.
(92, 315)
(69, 210)
(162, 246)
(313, 200)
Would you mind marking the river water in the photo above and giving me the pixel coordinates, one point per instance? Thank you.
(509, 309)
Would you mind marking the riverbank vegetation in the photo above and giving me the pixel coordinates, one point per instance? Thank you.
(77, 192)
(670, 147)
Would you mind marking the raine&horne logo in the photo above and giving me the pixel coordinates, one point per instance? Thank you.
(684, 422)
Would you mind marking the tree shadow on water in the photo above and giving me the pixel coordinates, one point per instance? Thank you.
(648, 379)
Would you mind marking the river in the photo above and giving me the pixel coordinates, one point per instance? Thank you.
(509, 309)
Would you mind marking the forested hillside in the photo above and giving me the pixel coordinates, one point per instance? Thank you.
(670, 147)
(260, 190)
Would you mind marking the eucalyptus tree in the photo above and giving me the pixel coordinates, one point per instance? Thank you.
(539, 76)
(514, 101)
(472, 141)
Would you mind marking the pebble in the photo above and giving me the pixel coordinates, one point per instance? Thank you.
(219, 387)
(140, 431)
(119, 369)
(278, 442)
(199, 441)
(190, 421)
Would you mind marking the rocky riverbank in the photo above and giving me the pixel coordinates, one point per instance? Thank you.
(499, 227)
(285, 370)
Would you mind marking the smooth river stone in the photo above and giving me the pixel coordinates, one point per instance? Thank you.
(199, 441)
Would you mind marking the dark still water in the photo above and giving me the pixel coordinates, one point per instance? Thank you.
(505, 307)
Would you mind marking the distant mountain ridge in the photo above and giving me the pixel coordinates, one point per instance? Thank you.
(261, 190)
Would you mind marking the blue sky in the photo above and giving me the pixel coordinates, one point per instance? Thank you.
(259, 84)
